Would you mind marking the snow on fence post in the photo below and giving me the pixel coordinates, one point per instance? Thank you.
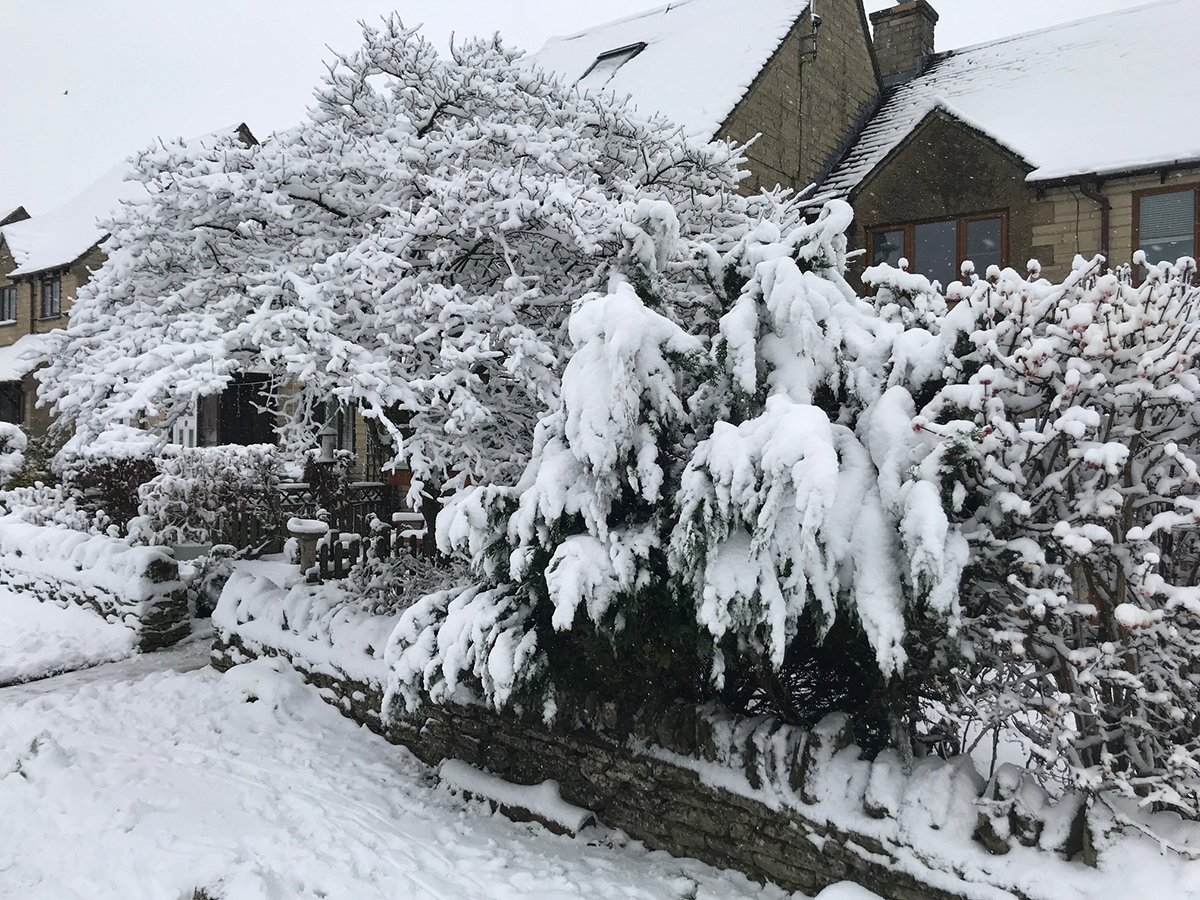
(138, 585)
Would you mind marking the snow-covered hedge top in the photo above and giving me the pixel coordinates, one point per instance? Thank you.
(320, 625)
(103, 562)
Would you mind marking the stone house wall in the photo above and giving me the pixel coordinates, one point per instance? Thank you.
(946, 169)
(28, 321)
(806, 111)
(1068, 223)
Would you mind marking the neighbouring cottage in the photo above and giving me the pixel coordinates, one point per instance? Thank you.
(44, 261)
(1077, 139)
(798, 74)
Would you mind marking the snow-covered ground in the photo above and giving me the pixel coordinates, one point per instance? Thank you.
(157, 776)
(39, 639)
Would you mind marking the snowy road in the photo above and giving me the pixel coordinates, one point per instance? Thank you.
(155, 777)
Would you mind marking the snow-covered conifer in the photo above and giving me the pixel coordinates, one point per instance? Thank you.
(730, 506)
(797, 506)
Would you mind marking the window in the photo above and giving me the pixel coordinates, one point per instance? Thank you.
(606, 65)
(1165, 224)
(937, 249)
(51, 297)
(12, 402)
(185, 431)
(8, 303)
(239, 415)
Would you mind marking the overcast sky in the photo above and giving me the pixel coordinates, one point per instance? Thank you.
(86, 83)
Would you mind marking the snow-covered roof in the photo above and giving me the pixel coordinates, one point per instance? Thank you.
(19, 359)
(13, 214)
(1108, 94)
(698, 60)
(59, 238)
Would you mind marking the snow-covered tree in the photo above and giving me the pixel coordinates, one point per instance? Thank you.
(413, 248)
(1065, 437)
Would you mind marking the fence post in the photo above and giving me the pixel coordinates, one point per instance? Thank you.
(323, 562)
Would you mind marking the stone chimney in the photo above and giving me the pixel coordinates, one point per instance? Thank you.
(903, 39)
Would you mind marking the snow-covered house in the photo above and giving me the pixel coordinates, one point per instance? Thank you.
(44, 260)
(800, 74)
(1078, 139)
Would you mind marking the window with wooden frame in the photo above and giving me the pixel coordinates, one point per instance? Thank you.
(8, 303)
(240, 414)
(937, 248)
(51, 297)
(1166, 223)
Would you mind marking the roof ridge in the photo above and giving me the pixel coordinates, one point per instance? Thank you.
(1061, 25)
(644, 14)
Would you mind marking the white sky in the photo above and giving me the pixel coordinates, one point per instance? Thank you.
(86, 83)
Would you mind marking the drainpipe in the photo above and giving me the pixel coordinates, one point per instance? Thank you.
(1090, 188)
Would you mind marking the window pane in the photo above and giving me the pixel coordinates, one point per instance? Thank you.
(936, 251)
(244, 418)
(51, 294)
(1167, 226)
(345, 426)
(8, 303)
(887, 247)
(12, 404)
(984, 243)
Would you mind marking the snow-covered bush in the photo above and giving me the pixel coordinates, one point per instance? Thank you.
(413, 248)
(391, 581)
(12, 451)
(1065, 441)
(577, 549)
(328, 480)
(50, 504)
(793, 513)
(206, 577)
(700, 499)
(199, 490)
(36, 461)
(103, 474)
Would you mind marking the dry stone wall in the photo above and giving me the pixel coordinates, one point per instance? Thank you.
(140, 585)
(630, 767)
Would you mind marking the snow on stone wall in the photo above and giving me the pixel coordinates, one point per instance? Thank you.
(138, 585)
(802, 809)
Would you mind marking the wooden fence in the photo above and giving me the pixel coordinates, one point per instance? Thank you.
(252, 530)
(337, 554)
